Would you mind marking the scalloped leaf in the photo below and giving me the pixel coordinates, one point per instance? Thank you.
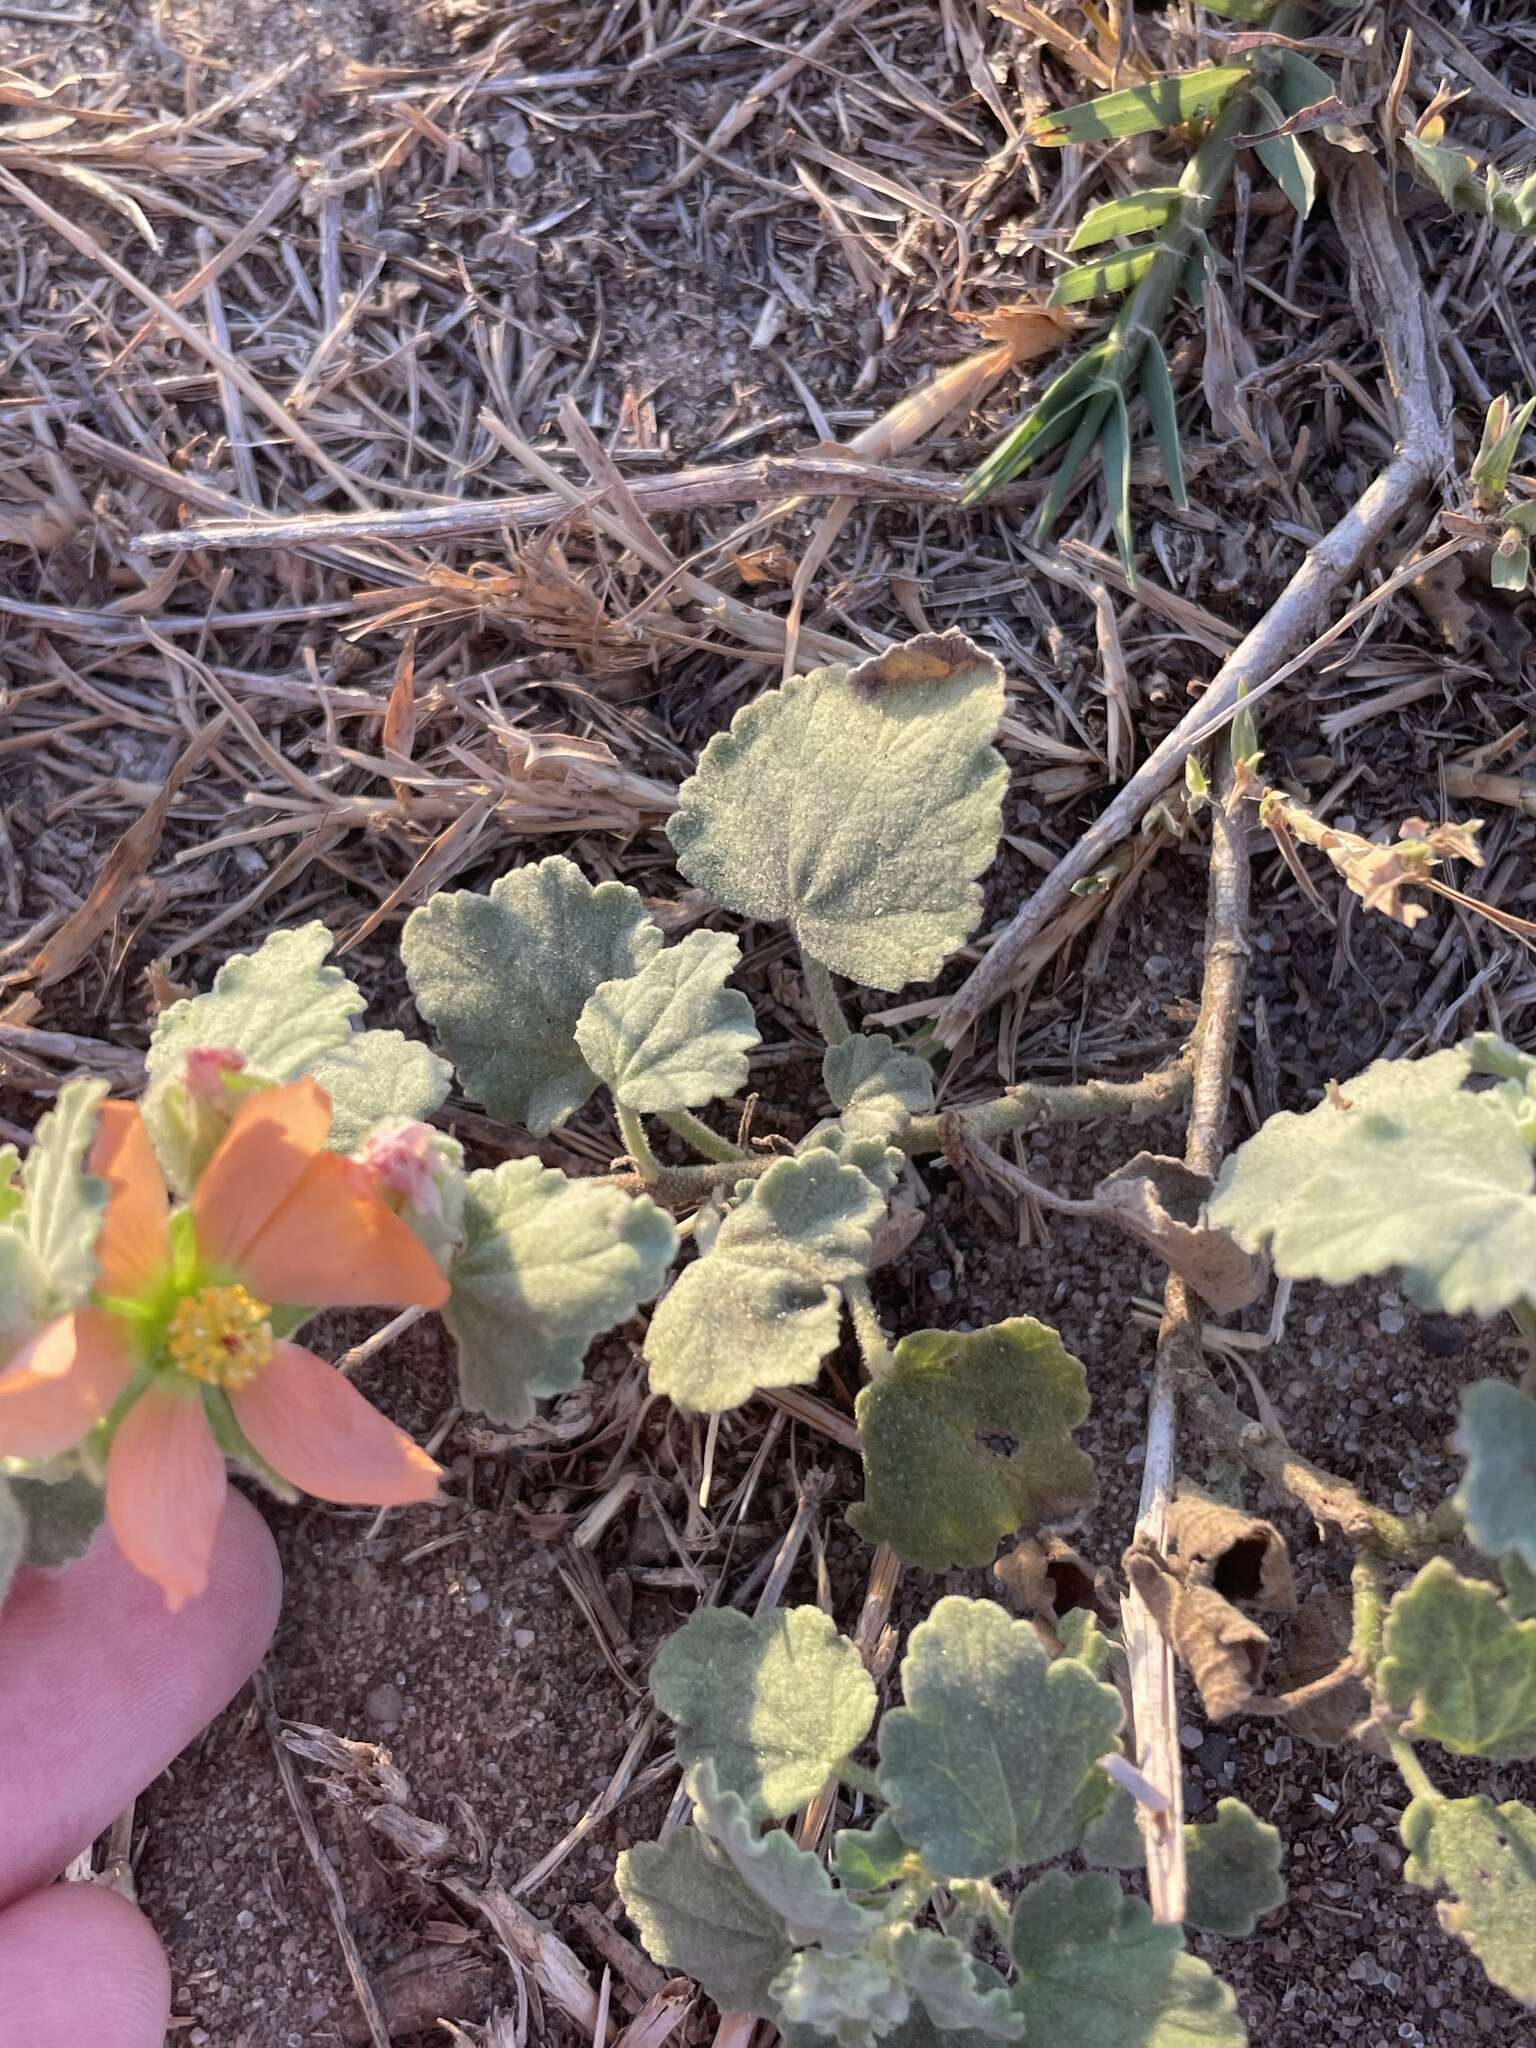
(1095, 1969)
(672, 1036)
(1234, 1870)
(774, 1701)
(915, 2031)
(848, 1999)
(1460, 1664)
(877, 1085)
(24, 1301)
(62, 1516)
(791, 1882)
(954, 1989)
(761, 1308)
(1497, 1437)
(1112, 1836)
(696, 1916)
(13, 1538)
(967, 1437)
(857, 806)
(503, 978)
(376, 1075)
(281, 1006)
(547, 1264)
(1485, 1856)
(1402, 1167)
(987, 1710)
(1519, 1585)
(63, 1206)
(870, 1859)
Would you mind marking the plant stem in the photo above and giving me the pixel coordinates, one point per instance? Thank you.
(873, 1348)
(638, 1145)
(1369, 1580)
(1411, 1771)
(830, 1021)
(699, 1135)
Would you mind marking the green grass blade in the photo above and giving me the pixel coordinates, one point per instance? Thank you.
(1141, 109)
(1131, 215)
(1157, 390)
(1240, 10)
(1285, 159)
(1043, 429)
(1102, 278)
(1089, 424)
(1115, 454)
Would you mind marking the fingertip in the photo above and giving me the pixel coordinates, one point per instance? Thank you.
(80, 1964)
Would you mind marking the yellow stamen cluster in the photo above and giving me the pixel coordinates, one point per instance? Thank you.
(220, 1335)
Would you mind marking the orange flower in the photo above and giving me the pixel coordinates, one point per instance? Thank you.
(177, 1357)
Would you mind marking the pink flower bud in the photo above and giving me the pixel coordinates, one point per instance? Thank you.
(206, 1068)
(401, 1156)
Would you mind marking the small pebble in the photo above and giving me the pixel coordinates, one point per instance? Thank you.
(524, 1638)
(479, 1602)
(1390, 1321)
(1191, 1738)
(385, 1707)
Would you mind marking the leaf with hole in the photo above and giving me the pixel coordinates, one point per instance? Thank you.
(1234, 1870)
(1497, 1437)
(1153, 207)
(1401, 1167)
(696, 1916)
(547, 1264)
(1141, 109)
(762, 1307)
(966, 1437)
(1460, 1666)
(63, 1205)
(870, 859)
(672, 1036)
(503, 978)
(1096, 1970)
(774, 1701)
(1484, 1856)
(987, 1710)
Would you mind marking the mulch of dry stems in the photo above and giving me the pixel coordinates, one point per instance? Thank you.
(589, 247)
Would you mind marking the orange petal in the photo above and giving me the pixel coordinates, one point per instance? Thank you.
(315, 1429)
(133, 1249)
(165, 1491)
(61, 1383)
(261, 1158)
(334, 1244)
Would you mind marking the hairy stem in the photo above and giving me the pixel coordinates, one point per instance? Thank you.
(638, 1145)
(709, 1144)
(830, 1021)
(1369, 1580)
(873, 1348)
(1411, 1771)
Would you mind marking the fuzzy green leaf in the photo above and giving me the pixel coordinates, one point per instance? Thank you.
(696, 1916)
(1405, 1168)
(854, 1999)
(1234, 1870)
(547, 1264)
(1137, 211)
(967, 1436)
(774, 1701)
(1095, 1969)
(374, 1075)
(984, 1766)
(1140, 109)
(673, 1036)
(280, 1006)
(1112, 1837)
(503, 978)
(1497, 1437)
(10, 1188)
(1461, 1665)
(13, 1538)
(869, 1068)
(761, 1308)
(954, 1988)
(869, 1859)
(1102, 278)
(63, 1205)
(1285, 158)
(915, 2031)
(1485, 1856)
(789, 1880)
(62, 1515)
(24, 1297)
(871, 858)
(1519, 1585)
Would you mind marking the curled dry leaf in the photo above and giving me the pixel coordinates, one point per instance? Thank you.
(1239, 1556)
(1047, 1580)
(1223, 1651)
(1316, 1643)
(1160, 1200)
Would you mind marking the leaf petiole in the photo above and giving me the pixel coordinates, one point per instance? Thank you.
(695, 1132)
(637, 1144)
(1411, 1771)
(830, 1021)
(873, 1348)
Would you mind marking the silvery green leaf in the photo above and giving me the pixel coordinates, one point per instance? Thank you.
(1485, 1857)
(1083, 1638)
(877, 1085)
(13, 1538)
(954, 1988)
(63, 1205)
(1459, 1664)
(774, 1701)
(789, 1880)
(853, 2000)
(547, 1264)
(24, 1294)
(672, 1036)
(761, 1308)
(967, 1437)
(62, 1515)
(503, 977)
(10, 1191)
(870, 1859)
(696, 1916)
(1497, 1437)
(374, 1075)
(871, 860)
(1519, 1585)
(1096, 1970)
(280, 1006)
(915, 2031)
(1403, 1167)
(1112, 1836)
(1234, 1870)
(986, 1709)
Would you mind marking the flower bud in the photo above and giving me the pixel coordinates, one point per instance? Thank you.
(419, 1173)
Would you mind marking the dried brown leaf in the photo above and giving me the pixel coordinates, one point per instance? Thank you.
(1223, 1651)
(1159, 1200)
(1241, 1557)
